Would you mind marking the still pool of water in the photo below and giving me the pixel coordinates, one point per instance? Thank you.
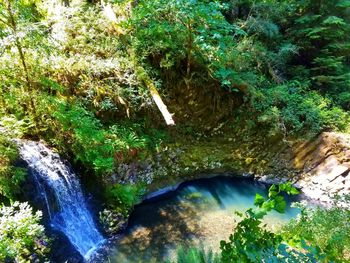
(198, 213)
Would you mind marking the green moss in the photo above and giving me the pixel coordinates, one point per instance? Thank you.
(189, 156)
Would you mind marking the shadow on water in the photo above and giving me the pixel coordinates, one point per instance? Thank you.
(164, 227)
(199, 212)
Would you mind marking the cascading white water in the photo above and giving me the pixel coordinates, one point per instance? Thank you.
(71, 216)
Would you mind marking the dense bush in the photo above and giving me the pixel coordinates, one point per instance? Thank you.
(89, 141)
(74, 129)
(293, 109)
(176, 32)
(10, 176)
(22, 238)
(252, 242)
(123, 197)
(299, 54)
(326, 229)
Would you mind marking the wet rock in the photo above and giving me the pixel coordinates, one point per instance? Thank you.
(113, 222)
(271, 179)
(62, 250)
(325, 166)
(320, 166)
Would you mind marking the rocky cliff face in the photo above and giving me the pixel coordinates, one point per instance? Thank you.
(319, 167)
(324, 165)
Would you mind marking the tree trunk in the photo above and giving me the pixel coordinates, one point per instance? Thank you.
(18, 44)
(13, 26)
(142, 74)
(155, 96)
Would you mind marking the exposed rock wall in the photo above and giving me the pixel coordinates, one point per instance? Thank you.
(320, 166)
(324, 165)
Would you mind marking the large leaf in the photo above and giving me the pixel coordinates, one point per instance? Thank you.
(280, 204)
(259, 200)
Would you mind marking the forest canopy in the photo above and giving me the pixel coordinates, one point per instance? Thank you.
(284, 63)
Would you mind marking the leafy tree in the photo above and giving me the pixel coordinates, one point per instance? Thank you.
(189, 36)
(13, 13)
(322, 31)
(19, 28)
(263, 21)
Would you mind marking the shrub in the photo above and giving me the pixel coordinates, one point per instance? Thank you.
(10, 176)
(252, 242)
(293, 109)
(22, 238)
(123, 197)
(196, 255)
(327, 229)
(93, 144)
(187, 36)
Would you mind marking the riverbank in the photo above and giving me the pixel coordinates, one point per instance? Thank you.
(318, 166)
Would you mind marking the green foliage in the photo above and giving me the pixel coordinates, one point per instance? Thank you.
(195, 255)
(171, 29)
(299, 51)
(251, 242)
(23, 37)
(123, 197)
(293, 109)
(89, 141)
(326, 229)
(189, 36)
(289, 59)
(98, 147)
(10, 176)
(73, 78)
(92, 63)
(317, 235)
(12, 127)
(321, 29)
(22, 238)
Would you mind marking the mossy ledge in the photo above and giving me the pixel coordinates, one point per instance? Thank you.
(318, 166)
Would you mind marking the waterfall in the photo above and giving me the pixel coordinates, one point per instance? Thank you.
(55, 180)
